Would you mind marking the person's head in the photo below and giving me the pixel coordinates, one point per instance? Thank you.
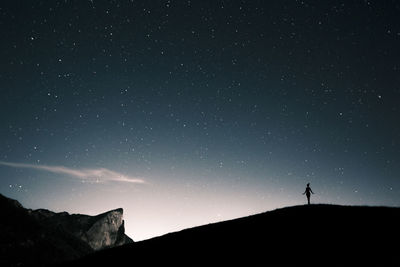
(308, 184)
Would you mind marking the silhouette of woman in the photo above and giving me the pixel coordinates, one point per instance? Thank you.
(308, 193)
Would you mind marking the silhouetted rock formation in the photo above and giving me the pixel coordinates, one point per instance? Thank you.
(101, 231)
(35, 237)
(312, 235)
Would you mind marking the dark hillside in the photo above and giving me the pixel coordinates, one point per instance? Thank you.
(316, 235)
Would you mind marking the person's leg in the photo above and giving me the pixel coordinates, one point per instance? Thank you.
(308, 199)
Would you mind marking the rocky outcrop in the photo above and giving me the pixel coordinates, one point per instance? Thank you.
(107, 231)
(102, 231)
(36, 237)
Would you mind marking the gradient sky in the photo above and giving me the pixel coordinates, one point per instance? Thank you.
(190, 112)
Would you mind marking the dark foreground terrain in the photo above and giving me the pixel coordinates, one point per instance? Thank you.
(41, 237)
(315, 235)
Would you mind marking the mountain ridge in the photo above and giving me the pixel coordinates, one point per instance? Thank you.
(37, 237)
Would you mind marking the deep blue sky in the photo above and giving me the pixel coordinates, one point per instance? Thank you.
(219, 109)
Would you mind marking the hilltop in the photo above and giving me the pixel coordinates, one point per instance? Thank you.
(315, 235)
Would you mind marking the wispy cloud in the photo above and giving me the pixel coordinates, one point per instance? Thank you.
(100, 175)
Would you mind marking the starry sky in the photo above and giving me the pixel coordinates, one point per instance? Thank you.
(189, 112)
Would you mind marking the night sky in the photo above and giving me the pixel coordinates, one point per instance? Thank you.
(190, 112)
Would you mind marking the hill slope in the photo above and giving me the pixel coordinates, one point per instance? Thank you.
(316, 235)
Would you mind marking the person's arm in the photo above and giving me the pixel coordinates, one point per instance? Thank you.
(311, 191)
